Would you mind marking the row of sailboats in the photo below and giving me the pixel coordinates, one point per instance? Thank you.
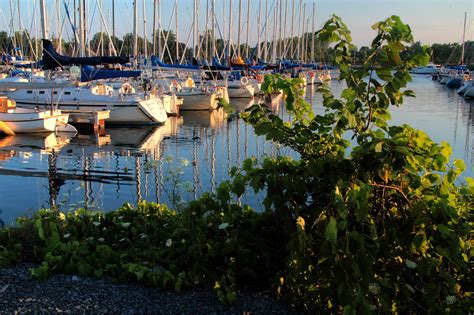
(149, 92)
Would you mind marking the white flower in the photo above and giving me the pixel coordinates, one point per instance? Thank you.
(126, 224)
(450, 299)
(96, 223)
(169, 242)
(101, 239)
(410, 264)
(66, 235)
(184, 162)
(374, 288)
(223, 226)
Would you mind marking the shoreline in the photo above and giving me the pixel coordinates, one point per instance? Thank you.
(70, 294)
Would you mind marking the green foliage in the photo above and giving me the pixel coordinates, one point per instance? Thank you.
(382, 224)
(376, 225)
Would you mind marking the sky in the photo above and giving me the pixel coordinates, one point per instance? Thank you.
(432, 21)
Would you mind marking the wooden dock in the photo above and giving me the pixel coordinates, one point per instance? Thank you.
(88, 119)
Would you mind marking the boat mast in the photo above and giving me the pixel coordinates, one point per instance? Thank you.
(113, 18)
(198, 53)
(279, 52)
(160, 51)
(274, 28)
(81, 29)
(303, 39)
(145, 41)
(20, 29)
(194, 29)
(265, 47)
(229, 48)
(84, 27)
(299, 30)
(135, 39)
(99, 3)
(238, 28)
(247, 39)
(284, 30)
(259, 28)
(312, 33)
(213, 28)
(177, 42)
(43, 20)
(224, 43)
(292, 29)
(206, 31)
(463, 38)
(154, 28)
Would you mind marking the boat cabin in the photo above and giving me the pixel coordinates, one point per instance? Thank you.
(7, 105)
(102, 89)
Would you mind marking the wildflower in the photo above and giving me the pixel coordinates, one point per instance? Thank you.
(374, 288)
(184, 162)
(410, 264)
(223, 226)
(169, 242)
(450, 299)
(66, 235)
(101, 239)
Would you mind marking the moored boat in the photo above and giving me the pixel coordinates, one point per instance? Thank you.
(23, 120)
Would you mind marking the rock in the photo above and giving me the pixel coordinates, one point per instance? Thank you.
(79, 295)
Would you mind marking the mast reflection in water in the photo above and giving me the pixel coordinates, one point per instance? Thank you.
(131, 164)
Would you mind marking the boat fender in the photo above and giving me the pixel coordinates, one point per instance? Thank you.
(176, 85)
(161, 90)
(244, 80)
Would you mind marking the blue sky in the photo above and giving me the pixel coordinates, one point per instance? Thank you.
(430, 20)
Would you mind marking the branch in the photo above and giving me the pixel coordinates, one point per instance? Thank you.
(392, 187)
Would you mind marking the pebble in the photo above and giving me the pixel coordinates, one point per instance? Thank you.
(66, 294)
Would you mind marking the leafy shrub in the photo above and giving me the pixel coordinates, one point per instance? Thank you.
(378, 225)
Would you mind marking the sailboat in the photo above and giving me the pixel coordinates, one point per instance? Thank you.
(15, 120)
(125, 105)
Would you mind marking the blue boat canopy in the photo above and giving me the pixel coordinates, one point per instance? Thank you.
(89, 73)
(52, 60)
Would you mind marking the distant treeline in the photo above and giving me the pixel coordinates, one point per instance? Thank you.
(99, 44)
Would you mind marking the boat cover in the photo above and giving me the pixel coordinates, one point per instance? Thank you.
(51, 59)
(89, 73)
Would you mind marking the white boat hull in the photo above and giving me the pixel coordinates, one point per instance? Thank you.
(241, 91)
(25, 121)
(198, 101)
(124, 109)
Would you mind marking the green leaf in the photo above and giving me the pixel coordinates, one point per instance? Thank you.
(348, 94)
(331, 231)
(39, 227)
(378, 147)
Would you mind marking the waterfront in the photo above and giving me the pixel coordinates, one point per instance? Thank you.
(129, 164)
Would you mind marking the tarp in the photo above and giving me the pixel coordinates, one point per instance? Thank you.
(156, 62)
(51, 59)
(89, 73)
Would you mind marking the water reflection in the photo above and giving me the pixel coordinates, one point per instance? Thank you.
(129, 164)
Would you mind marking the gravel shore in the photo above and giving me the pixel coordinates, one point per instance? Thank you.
(21, 294)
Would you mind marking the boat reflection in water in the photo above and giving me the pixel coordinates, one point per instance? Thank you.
(102, 171)
(211, 119)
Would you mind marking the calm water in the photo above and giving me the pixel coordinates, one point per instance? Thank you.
(130, 164)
